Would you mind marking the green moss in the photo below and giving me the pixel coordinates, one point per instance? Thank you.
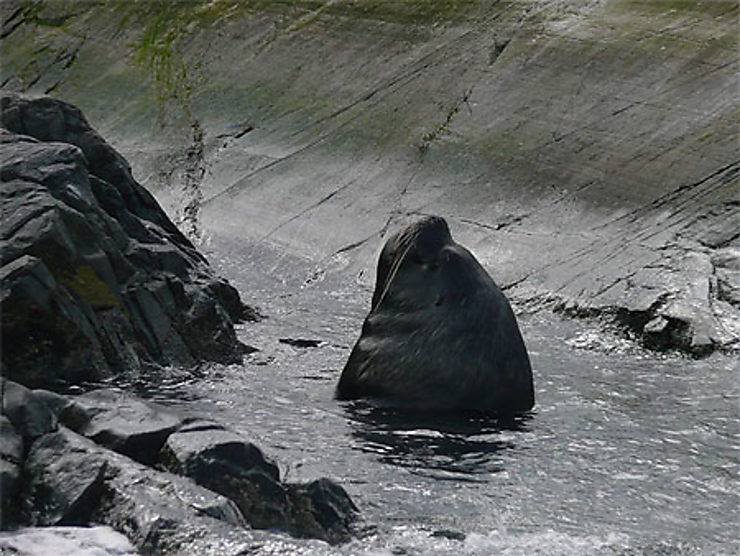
(87, 285)
(408, 12)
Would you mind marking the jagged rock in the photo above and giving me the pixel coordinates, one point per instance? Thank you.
(440, 335)
(64, 485)
(80, 541)
(96, 280)
(226, 463)
(322, 509)
(30, 416)
(11, 457)
(121, 422)
(72, 480)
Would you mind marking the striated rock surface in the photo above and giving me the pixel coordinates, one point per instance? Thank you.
(96, 280)
(586, 151)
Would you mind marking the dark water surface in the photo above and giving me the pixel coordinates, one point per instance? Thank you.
(626, 452)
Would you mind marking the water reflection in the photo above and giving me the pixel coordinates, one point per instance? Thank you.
(444, 446)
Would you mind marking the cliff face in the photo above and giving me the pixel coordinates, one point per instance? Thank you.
(585, 151)
(96, 280)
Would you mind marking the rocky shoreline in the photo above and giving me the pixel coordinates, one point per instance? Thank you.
(99, 285)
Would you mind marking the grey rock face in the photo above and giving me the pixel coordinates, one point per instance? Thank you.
(96, 280)
(440, 334)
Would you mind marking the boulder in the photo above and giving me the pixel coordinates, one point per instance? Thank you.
(226, 463)
(322, 509)
(65, 480)
(96, 280)
(121, 422)
(222, 461)
(440, 334)
(30, 416)
(71, 480)
(11, 457)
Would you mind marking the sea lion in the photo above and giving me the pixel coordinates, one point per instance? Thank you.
(440, 335)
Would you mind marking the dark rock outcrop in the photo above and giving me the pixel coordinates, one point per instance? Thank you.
(71, 480)
(11, 456)
(121, 422)
(96, 280)
(440, 334)
(224, 462)
(216, 483)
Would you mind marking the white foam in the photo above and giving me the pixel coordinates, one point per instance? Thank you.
(67, 541)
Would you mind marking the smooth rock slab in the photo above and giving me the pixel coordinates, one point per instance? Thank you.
(123, 423)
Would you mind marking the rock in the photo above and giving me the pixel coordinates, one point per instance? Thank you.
(440, 334)
(66, 541)
(121, 422)
(322, 509)
(65, 485)
(96, 280)
(11, 458)
(30, 416)
(72, 480)
(11, 447)
(223, 462)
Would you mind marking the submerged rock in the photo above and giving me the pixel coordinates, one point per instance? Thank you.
(440, 334)
(96, 280)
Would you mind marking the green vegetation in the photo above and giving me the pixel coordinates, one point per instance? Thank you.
(408, 12)
(85, 283)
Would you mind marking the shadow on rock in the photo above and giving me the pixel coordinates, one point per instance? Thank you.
(445, 445)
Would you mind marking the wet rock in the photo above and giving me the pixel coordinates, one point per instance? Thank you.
(65, 485)
(73, 480)
(300, 342)
(440, 334)
(224, 462)
(80, 541)
(11, 458)
(30, 416)
(96, 280)
(322, 509)
(121, 422)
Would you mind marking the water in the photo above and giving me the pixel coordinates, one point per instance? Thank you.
(625, 453)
